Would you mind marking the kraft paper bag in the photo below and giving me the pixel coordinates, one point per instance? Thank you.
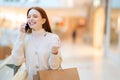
(61, 74)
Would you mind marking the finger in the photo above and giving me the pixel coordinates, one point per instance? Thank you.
(22, 27)
(55, 49)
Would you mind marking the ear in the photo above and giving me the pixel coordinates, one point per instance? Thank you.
(43, 20)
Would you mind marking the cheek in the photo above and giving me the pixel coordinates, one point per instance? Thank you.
(39, 22)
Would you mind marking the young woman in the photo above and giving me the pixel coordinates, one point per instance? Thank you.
(36, 45)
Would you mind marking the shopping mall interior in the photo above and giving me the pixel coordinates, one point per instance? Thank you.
(89, 31)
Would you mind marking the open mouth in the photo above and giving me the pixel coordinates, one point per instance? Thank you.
(32, 23)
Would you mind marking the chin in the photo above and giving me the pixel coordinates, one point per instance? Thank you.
(32, 27)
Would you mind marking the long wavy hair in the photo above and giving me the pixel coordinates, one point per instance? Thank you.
(46, 26)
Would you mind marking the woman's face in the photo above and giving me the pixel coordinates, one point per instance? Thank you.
(35, 20)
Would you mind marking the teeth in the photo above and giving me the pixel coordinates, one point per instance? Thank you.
(32, 23)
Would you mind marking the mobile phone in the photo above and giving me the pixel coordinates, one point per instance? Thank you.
(28, 29)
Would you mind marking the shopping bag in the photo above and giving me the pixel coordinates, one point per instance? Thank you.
(21, 73)
(61, 74)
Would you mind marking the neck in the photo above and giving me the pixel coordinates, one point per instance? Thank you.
(37, 29)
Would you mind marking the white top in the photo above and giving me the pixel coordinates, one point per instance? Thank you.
(37, 48)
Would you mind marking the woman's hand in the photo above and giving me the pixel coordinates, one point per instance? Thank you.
(22, 28)
(55, 50)
(22, 31)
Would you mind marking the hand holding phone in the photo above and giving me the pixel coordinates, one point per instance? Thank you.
(28, 29)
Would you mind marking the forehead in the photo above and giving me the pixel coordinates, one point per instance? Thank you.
(33, 11)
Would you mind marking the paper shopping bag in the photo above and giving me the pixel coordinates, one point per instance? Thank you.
(62, 74)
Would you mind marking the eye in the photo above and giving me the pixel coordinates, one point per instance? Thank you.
(35, 16)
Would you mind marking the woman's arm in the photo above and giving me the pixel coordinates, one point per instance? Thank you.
(55, 56)
(17, 54)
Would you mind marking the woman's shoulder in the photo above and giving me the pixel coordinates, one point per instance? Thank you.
(53, 39)
(52, 35)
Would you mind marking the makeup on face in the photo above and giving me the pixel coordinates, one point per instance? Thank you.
(34, 19)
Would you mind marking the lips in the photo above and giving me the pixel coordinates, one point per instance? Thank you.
(32, 23)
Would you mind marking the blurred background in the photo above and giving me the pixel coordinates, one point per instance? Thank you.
(89, 31)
